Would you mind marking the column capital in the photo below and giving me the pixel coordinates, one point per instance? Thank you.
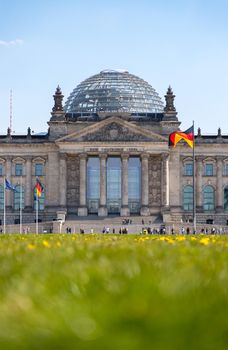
(125, 156)
(199, 158)
(220, 158)
(145, 156)
(63, 156)
(83, 155)
(165, 156)
(103, 155)
(28, 158)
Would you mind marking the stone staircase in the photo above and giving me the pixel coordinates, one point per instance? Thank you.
(134, 224)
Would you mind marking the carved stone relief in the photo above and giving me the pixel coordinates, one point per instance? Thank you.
(114, 132)
(72, 181)
(155, 181)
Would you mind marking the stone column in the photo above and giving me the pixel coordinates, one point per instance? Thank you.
(82, 210)
(199, 183)
(62, 181)
(124, 208)
(165, 180)
(28, 184)
(145, 185)
(102, 211)
(219, 186)
(52, 181)
(8, 172)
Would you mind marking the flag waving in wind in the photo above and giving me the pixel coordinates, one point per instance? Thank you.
(39, 188)
(9, 186)
(177, 136)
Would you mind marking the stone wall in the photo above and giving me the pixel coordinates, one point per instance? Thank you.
(72, 183)
(155, 181)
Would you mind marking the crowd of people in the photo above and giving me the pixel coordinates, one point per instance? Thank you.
(157, 230)
(148, 229)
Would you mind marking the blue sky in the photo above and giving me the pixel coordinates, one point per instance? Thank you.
(49, 42)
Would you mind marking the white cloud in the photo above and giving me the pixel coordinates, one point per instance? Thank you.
(11, 42)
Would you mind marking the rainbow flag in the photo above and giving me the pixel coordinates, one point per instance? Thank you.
(39, 188)
(177, 136)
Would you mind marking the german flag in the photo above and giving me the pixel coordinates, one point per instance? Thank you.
(39, 188)
(177, 136)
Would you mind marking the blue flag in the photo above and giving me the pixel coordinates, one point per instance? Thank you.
(9, 186)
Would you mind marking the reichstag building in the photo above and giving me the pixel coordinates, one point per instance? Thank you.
(106, 153)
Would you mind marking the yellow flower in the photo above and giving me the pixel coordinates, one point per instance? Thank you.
(31, 246)
(204, 241)
(180, 238)
(170, 241)
(46, 243)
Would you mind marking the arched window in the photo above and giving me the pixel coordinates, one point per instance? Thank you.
(1, 197)
(40, 201)
(188, 198)
(208, 198)
(19, 197)
(226, 198)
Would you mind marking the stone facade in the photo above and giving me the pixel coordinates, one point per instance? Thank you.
(72, 183)
(63, 155)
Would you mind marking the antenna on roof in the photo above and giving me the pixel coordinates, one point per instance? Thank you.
(11, 111)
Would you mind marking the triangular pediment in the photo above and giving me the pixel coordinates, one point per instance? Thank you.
(38, 160)
(18, 160)
(113, 129)
(187, 159)
(209, 159)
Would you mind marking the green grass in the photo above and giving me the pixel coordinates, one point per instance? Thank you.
(113, 292)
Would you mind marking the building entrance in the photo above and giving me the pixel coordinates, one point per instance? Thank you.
(114, 185)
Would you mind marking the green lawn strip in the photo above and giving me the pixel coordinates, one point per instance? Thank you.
(113, 292)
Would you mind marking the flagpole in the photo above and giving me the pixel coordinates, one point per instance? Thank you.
(21, 206)
(193, 182)
(37, 205)
(4, 204)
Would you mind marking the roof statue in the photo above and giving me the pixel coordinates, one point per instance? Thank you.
(58, 98)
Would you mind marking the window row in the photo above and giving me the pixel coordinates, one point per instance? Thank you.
(208, 198)
(113, 184)
(19, 169)
(209, 169)
(19, 198)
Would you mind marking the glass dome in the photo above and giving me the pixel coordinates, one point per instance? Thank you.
(115, 92)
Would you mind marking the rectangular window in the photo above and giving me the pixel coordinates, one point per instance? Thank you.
(18, 169)
(188, 169)
(1, 169)
(209, 170)
(39, 169)
(226, 169)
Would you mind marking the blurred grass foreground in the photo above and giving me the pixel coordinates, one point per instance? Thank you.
(113, 292)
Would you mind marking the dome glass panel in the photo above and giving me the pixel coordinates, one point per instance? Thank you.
(114, 92)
